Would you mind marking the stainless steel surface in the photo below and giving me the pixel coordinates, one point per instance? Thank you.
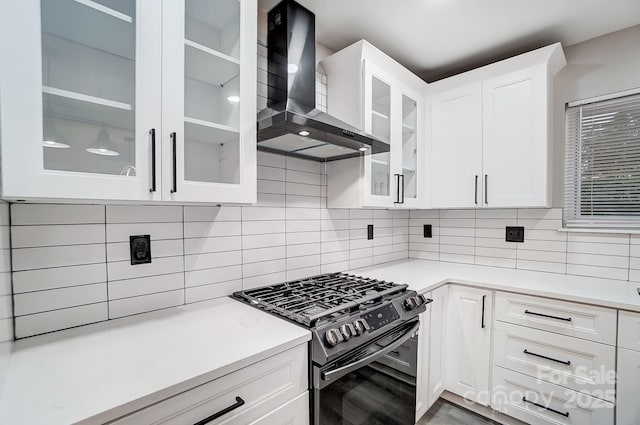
(291, 103)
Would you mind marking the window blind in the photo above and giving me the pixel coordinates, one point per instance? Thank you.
(602, 164)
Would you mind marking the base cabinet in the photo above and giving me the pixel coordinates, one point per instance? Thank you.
(628, 405)
(270, 392)
(468, 341)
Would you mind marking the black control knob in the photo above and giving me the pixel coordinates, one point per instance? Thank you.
(333, 337)
(348, 331)
(361, 326)
(410, 303)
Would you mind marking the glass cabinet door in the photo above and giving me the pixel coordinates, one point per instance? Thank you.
(409, 148)
(211, 88)
(89, 86)
(378, 122)
(76, 127)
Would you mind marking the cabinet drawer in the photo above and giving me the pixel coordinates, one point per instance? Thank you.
(558, 405)
(578, 320)
(295, 412)
(263, 387)
(629, 330)
(570, 362)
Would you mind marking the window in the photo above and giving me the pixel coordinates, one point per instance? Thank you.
(602, 164)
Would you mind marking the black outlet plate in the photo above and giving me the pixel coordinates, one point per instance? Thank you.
(369, 231)
(140, 247)
(426, 231)
(514, 234)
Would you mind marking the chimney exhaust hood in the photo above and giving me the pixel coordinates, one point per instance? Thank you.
(291, 124)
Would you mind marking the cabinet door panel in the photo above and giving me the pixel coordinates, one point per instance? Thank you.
(89, 88)
(209, 75)
(469, 343)
(515, 139)
(628, 391)
(456, 148)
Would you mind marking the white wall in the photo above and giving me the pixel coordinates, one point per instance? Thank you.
(603, 65)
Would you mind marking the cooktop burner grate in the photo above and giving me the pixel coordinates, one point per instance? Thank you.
(310, 300)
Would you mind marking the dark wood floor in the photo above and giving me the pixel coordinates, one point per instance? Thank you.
(445, 413)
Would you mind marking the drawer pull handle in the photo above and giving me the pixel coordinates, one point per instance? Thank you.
(568, 362)
(565, 414)
(566, 319)
(239, 402)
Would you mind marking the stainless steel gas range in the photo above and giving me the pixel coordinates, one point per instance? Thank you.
(363, 354)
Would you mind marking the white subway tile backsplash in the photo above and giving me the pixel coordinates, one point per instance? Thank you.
(215, 244)
(120, 251)
(207, 292)
(210, 260)
(54, 320)
(303, 238)
(118, 270)
(262, 227)
(53, 235)
(57, 256)
(55, 299)
(145, 285)
(262, 213)
(143, 214)
(213, 229)
(145, 303)
(59, 277)
(213, 275)
(212, 214)
(121, 232)
(26, 214)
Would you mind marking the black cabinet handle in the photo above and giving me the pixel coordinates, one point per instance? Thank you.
(397, 177)
(174, 187)
(486, 189)
(239, 402)
(152, 133)
(402, 175)
(568, 362)
(565, 414)
(476, 191)
(566, 319)
(484, 297)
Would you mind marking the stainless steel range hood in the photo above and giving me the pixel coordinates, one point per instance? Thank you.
(291, 123)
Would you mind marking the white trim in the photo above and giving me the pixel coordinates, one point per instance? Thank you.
(604, 97)
(106, 10)
(86, 98)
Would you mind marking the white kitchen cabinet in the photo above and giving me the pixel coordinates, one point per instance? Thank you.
(629, 330)
(628, 387)
(491, 132)
(371, 91)
(468, 341)
(456, 168)
(270, 392)
(93, 87)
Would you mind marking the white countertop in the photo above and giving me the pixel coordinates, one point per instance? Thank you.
(99, 372)
(425, 275)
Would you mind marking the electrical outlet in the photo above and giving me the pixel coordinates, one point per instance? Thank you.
(514, 234)
(369, 231)
(140, 247)
(426, 231)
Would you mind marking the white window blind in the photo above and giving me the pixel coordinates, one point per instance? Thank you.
(602, 164)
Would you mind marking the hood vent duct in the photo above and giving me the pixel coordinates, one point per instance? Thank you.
(291, 123)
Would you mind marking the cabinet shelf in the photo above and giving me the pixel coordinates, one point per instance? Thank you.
(106, 10)
(86, 98)
(379, 162)
(379, 115)
(208, 65)
(209, 132)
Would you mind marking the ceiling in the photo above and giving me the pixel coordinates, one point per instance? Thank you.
(438, 38)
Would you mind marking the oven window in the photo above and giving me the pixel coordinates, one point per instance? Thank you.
(375, 394)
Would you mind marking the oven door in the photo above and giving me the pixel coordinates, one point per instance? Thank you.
(374, 384)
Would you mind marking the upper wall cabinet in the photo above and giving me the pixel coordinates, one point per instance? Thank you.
(370, 91)
(491, 131)
(128, 100)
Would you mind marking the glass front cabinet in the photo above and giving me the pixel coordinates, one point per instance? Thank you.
(121, 100)
(392, 113)
(372, 92)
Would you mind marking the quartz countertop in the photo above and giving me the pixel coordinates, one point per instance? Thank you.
(425, 275)
(96, 373)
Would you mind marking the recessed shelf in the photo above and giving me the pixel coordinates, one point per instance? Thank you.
(379, 115)
(86, 98)
(208, 65)
(75, 108)
(379, 162)
(208, 132)
(106, 10)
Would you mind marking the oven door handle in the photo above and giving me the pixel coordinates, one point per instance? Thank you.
(327, 376)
